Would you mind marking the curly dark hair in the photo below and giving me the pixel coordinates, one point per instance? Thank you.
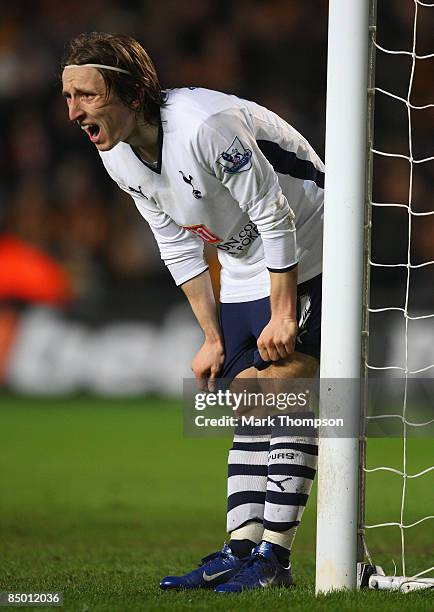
(120, 51)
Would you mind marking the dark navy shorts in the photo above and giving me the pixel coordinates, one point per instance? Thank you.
(243, 322)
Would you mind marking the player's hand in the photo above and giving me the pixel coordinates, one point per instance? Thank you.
(277, 339)
(207, 364)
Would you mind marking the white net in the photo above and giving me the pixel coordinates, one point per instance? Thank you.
(410, 366)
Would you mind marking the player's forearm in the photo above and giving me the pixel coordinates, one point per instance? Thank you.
(201, 297)
(276, 224)
(283, 295)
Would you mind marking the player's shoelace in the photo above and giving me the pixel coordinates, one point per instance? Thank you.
(220, 554)
(253, 565)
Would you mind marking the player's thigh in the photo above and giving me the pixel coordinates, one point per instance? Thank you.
(283, 376)
(288, 376)
(245, 381)
(297, 365)
(247, 373)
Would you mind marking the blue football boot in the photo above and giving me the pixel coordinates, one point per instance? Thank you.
(212, 571)
(261, 569)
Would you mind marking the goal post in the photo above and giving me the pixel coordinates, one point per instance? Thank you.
(341, 345)
(345, 360)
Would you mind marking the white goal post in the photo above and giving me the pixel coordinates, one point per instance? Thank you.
(345, 156)
(347, 262)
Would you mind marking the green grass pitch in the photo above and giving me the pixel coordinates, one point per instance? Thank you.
(101, 498)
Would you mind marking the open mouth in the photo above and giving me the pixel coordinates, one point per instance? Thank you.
(92, 130)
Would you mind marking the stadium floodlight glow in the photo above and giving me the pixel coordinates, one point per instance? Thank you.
(345, 324)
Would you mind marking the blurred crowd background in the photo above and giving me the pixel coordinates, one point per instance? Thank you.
(70, 238)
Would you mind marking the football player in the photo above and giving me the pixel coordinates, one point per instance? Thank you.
(203, 166)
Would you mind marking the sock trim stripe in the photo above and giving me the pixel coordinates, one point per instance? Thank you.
(250, 530)
(257, 521)
(251, 439)
(310, 449)
(253, 446)
(286, 499)
(241, 469)
(245, 497)
(238, 484)
(242, 514)
(273, 526)
(294, 440)
(252, 430)
(291, 469)
(239, 456)
(273, 512)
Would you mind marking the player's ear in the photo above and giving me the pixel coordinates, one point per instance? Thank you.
(136, 104)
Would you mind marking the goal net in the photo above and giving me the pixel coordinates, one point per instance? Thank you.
(400, 175)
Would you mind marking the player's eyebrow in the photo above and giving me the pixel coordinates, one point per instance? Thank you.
(79, 92)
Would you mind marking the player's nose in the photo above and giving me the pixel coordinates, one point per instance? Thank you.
(74, 111)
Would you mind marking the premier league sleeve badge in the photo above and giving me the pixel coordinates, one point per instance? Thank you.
(236, 158)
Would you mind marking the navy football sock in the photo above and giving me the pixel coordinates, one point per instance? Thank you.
(241, 548)
(282, 554)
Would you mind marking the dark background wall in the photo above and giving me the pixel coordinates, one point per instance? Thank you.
(54, 193)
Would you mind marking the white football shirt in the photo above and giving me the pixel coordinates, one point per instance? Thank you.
(235, 175)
